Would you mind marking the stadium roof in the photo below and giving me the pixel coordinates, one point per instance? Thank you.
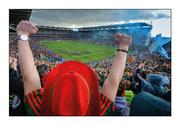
(104, 27)
(124, 25)
(53, 28)
(16, 15)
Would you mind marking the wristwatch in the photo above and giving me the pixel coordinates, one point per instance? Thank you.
(23, 37)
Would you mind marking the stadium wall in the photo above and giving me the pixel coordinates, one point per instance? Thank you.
(140, 32)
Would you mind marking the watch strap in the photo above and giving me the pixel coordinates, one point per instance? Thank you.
(19, 38)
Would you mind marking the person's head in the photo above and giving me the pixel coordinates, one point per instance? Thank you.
(10, 59)
(127, 83)
(144, 74)
(13, 63)
(158, 79)
(121, 89)
(71, 88)
(42, 70)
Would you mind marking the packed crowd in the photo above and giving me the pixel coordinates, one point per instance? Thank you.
(45, 60)
(142, 71)
(146, 75)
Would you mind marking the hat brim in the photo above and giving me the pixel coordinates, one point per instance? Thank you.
(86, 72)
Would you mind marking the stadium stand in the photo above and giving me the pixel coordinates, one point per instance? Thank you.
(46, 60)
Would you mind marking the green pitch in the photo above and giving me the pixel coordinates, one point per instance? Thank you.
(80, 51)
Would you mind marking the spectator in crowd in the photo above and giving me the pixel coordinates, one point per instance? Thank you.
(42, 70)
(152, 75)
(58, 96)
(16, 92)
(155, 84)
(146, 104)
(121, 105)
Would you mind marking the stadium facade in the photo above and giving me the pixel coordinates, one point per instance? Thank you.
(140, 31)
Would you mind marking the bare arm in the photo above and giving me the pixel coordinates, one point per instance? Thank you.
(31, 77)
(111, 84)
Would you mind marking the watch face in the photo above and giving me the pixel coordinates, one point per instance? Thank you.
(24, 37)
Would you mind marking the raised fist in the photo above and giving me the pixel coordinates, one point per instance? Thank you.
(26, 28)
(141, 65)
(123, 40)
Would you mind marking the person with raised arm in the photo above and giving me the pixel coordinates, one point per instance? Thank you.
(71, 88)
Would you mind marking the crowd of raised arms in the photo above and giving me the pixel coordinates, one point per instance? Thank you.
(128, 84)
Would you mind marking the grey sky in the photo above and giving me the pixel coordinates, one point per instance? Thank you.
(79, 18)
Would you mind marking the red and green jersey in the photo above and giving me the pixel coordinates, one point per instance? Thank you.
(33, 103)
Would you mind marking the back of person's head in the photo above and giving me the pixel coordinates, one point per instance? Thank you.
(165, 81)
(42, 70)
(134, 86)
(144, 74)
(158, 79)
(121, 89)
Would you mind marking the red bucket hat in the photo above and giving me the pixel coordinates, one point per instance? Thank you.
(71, 89)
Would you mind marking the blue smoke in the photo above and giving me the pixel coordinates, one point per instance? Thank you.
(158, 45)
